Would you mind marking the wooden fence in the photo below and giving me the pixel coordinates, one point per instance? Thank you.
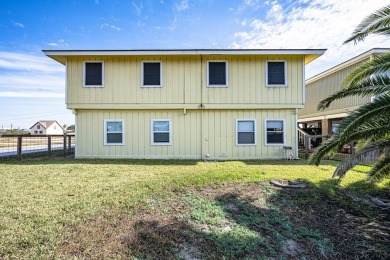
(29, 146)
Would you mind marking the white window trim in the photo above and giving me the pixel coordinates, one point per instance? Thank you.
(105, 131)
(152, 132)
(285, 74)
(227, 74)
(84, 70)
(254, 128)
(142, 73)
(265, 131)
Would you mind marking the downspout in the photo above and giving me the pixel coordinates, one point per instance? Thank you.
(303, 102)
(296, 134)
(200, 107)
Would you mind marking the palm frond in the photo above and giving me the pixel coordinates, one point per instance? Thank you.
(380, 107)
(374, 85)
(375, 129)
(380, 170)
(369, 153)
(379, 65)
(353, 160)
(325, 148)
(369, 121)
(376, 23)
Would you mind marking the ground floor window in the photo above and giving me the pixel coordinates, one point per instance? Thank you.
(274, 132)
(246, 132)
(161, 132)
(113, 132)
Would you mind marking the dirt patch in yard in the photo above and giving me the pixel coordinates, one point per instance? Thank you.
(234, 221)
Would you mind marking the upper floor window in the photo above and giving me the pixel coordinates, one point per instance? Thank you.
(246, 132)
(151, 74)
(274, 132)
(38, 127)
(161, 132)
(93, 74)
(113, 132)
(276, 74)
(217, 73)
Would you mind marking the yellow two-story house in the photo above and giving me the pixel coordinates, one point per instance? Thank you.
(185, 104)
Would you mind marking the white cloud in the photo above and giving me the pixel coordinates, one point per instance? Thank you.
(30, 94)
(252, 4)
(28, 62)
(183, 5)
(59, 42)
(18, 24)
(276, 12)
(26, 75)
(106, 25)
(178, 10)
(317, 24)
(137, 9)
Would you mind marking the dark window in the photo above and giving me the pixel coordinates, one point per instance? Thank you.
(38, 127)
(114, 138)
(93, 74)
(152, 72)
(275, 132)
(161, 137)
(217, 73)
(276, 73)
(246, 132)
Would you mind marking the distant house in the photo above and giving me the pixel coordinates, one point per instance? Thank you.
(185, 104)
(47, 127)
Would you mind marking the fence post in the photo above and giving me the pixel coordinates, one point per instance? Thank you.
(19, 148)
(64, 144)
(351, 148)
(49, 145)
(69, 144)
(307, 144)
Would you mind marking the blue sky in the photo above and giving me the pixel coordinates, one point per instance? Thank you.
(32, 85)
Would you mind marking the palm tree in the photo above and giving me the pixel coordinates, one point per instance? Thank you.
(369, 124)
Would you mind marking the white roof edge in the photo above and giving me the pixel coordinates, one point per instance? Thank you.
(347, 63)
(180, 52)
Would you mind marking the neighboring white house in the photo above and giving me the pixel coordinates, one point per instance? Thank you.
(47, 127)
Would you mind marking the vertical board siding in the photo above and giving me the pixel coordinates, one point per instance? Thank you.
(328, 85)
(247, 82)
(184, 81)
(219, 138)
(137, 134)
(194, 136)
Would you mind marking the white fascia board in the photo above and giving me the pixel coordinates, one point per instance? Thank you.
(347, 63)
(60, 55)
(182, 52)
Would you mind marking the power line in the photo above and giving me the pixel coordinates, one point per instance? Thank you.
(37, 116)
(26, 114)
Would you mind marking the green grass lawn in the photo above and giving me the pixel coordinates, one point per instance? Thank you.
(62, 208)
